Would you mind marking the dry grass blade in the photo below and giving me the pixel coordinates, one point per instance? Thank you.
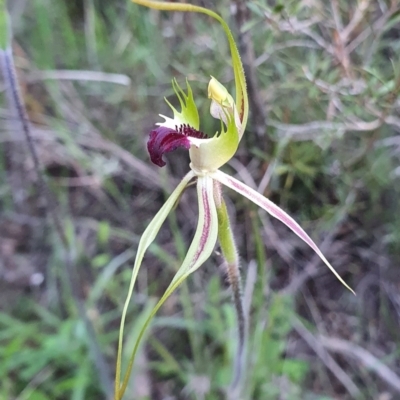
(85, 76)
(315, 344)
(363, 356)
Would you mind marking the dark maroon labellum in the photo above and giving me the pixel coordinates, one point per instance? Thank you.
(163, 140)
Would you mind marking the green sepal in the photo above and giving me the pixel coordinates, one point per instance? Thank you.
(147, 238)
(242, 102)
(199, 251)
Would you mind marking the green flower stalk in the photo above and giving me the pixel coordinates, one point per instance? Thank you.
(207, 155)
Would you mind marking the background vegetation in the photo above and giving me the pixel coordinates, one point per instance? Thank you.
(323, 143)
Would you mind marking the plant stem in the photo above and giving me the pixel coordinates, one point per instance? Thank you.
(230, 254)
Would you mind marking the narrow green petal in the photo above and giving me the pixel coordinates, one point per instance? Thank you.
(147, 238)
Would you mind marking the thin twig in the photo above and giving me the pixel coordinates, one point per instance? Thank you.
(147, 176)
(357, 18)
(311, 130)
(376, 27)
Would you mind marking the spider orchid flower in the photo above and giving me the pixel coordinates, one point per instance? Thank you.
(207, 155)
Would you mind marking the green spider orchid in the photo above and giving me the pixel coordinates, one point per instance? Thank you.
(207, 155)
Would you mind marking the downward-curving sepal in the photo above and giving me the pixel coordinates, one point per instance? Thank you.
(147, 238)
(276, 212)
(199, 251)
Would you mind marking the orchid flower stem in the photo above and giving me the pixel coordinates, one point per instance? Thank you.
(230, 254)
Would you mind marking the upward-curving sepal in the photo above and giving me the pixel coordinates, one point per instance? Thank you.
(276, 212)
(242, 102)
